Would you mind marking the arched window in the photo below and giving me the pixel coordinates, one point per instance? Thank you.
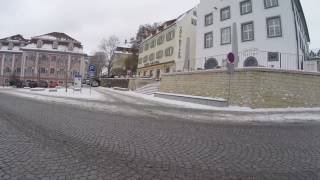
(211, 63)
(251, 62)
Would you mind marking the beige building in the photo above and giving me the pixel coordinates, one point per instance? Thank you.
(52, 57)
(171, 48)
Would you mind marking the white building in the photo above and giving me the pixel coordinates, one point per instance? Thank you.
(266, 33)
(171, 48)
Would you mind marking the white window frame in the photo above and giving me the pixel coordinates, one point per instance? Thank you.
(226, 35)
(208, 19)
(270, 3)
(169, 51)
(208, 40)
(245, 7)
(225, 13)
(275, 28)
(245, 33)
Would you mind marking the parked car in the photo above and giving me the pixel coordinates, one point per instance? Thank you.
(20, 84)
(43, 84)
(53, 84)
(33, 84)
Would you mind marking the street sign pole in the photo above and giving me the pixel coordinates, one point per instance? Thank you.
(231, 63)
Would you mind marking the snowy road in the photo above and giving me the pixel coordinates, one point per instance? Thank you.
(123, 137)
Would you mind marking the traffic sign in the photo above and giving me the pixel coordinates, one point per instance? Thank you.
(92, 70)
(231, 58)
(231, 61)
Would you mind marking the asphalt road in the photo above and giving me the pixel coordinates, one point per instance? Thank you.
(40, 140)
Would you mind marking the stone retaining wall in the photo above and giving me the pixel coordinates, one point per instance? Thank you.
(253, 87)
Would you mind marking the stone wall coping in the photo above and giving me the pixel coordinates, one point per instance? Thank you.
(255, 69)
(193, 97)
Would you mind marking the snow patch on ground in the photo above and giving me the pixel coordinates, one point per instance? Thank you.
(84, 94)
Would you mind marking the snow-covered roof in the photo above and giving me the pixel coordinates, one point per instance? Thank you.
(16, 38)
(126, 45)
(56, 36)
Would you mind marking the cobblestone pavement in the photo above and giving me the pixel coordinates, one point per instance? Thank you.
(41, 140)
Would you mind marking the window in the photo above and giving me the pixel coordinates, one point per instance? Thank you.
(208, 19)
(146, 47)
(225, 13)
(39, 44)
(270, 3)
(160, 40)
(274, 27)
(42, 70)
(11, 45)
(145, 59)
(18, 70)
(247, 32)
(273, 56)
(208, 40)
(7, 70)
(159, 54)
(140, 61)
(151, 57)
(195, 13)
(169, 51)
(318, 64)
(251, 62)
(0, 45)
(52, 70)
(167, 70)
(55, 45)
(226, 36)
(170, 35)
(153, 43)
(193, 21)
(71, 46)
(211, 63)
(245, 7)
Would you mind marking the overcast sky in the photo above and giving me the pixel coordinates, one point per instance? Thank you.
(91, 20)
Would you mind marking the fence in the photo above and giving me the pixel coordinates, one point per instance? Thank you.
(256, 58)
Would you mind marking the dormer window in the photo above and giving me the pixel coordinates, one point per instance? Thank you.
(39, 44)
(10, 47)
(55, 45)
(71, 46)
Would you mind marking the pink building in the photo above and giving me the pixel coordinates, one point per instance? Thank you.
(53, 57)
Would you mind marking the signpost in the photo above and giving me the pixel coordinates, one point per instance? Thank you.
(77, 83)
(92, 73)
(230, 65)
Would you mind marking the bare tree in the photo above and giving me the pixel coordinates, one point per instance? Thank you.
(108, 47)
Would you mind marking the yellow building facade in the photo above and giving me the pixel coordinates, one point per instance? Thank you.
(171, 49)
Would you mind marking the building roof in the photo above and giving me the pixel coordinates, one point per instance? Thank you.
(300, 10)
(17, 38)
(56, 36)
(167, 24)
